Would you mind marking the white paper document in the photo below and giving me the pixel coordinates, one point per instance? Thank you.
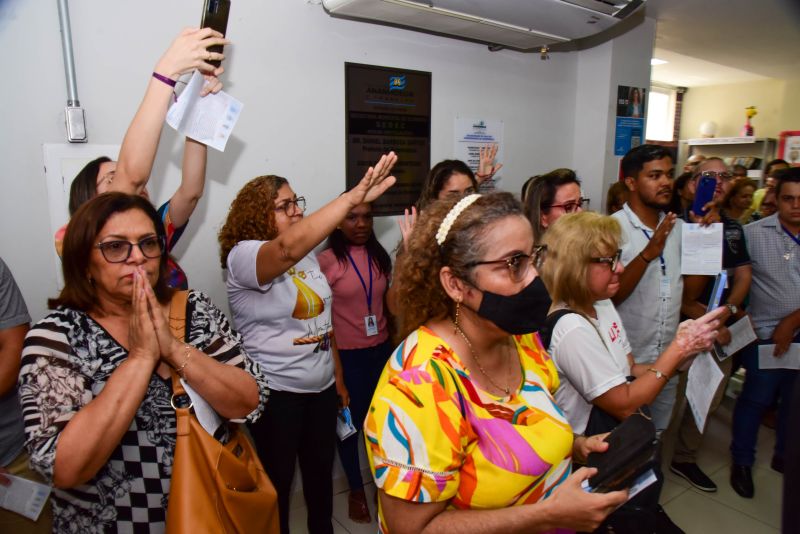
(24, 496)
(207, 119)
(701, 249)
(208, 418)
(789, 360)
(703, 380)
(742, 334)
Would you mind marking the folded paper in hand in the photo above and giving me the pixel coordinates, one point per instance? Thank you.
(207, 119)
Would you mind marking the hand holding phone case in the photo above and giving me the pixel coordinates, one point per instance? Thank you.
(631, 451)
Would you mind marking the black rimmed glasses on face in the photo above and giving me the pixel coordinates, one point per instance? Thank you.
(118, 251)
(612, 261)
(518, 264)
(724, 176)
(290, 206)
(572, 207)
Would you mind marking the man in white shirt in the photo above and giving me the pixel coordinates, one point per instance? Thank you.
(651, 287)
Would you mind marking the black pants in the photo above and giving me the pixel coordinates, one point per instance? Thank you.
(362, 369)
(300, 426)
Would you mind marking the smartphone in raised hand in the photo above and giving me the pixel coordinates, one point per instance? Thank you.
(215, 16)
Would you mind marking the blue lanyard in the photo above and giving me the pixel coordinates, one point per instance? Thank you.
(660, 256)
(790, 234)
(361, 279)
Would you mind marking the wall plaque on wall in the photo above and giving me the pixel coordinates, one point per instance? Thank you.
(388, 109)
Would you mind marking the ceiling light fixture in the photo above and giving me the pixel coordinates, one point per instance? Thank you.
(655, 61)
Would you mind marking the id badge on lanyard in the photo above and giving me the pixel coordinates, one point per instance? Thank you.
(370, 320)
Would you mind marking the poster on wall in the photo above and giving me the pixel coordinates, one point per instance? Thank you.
(388, 109)
(789, 147)
(473, 134)
(629, 132)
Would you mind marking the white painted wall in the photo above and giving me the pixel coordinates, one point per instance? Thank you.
(621, 61)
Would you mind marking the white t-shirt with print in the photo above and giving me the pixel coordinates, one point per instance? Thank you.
(286, 323)
(586, 370)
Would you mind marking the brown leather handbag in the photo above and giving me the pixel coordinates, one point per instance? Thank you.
(215, 487)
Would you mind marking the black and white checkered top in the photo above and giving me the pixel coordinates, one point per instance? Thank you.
(66, 361)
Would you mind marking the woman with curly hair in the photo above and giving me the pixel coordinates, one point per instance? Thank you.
(281, 304)
(463, 433)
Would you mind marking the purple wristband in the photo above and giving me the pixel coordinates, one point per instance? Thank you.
(164, 79)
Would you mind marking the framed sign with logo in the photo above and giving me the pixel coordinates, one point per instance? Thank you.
(388, 109)
(789, 147)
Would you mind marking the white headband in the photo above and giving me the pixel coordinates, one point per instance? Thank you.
(452, 215)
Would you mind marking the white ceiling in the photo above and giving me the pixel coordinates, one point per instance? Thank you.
(711, 42)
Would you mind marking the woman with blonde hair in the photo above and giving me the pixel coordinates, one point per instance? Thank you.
(463, 433)
(281, 304)
(589, 345)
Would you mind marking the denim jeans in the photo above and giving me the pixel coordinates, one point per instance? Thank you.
(761, 388)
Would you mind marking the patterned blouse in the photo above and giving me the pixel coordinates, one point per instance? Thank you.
(66, 360)
(433, 436)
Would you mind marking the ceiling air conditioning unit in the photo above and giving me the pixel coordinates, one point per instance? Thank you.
(524, 25)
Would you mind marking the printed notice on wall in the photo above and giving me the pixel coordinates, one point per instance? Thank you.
(472, 134)
(388, 109)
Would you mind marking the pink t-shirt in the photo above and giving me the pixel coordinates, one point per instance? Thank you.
(350, 299)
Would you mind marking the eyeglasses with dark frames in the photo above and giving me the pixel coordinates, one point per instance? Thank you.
(572, 207)
(118, 251)
(518, 264)
(297, 203)
(725, 176)
(612, 261)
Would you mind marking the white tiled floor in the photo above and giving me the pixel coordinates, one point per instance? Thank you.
(696, 512)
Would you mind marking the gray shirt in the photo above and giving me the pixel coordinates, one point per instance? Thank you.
(775, 290)
(13, 312)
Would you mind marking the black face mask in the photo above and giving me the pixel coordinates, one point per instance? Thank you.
(523, 313)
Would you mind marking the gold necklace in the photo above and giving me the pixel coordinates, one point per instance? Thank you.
(478, 362)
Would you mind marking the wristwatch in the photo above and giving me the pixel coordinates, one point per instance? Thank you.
(658, 373)
(732, 308)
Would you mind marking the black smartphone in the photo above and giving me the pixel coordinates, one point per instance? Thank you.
(704, 194)
(215, 16)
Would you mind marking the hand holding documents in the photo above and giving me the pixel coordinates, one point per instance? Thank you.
(207, 119)
(789, 360)
(703, 380)
(701, 249)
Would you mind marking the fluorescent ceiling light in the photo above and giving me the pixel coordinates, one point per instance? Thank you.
(656, 61)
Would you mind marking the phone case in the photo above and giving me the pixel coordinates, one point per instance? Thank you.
(631, 452)
(215, 16)
(704, 194)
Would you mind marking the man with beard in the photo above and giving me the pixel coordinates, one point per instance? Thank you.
(696, 294)
(649, 298)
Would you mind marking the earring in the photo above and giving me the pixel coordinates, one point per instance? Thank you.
(458, 308)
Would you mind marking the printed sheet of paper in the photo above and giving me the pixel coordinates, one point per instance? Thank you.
(208, 119)
(208, 418)
(789, 360)
(742, 334)
(24, 496)
(701, 249)
(703, 381)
